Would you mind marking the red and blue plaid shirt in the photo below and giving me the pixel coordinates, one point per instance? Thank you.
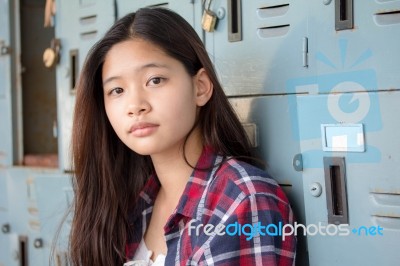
(232, 194)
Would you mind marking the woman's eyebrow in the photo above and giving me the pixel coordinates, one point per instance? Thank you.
(139, 69)
(110, 79)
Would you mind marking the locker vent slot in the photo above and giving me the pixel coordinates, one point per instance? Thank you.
(273, 31)
(160, 5)
(89, 23)
(386, 209)
(89, 34)
(272, 11)
(387, 18)
(88, 20)
(387, 222)
(389, 199)
(34, 225)
(274, 19)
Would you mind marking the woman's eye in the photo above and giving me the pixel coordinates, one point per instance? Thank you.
(155, 81)
(116, 91)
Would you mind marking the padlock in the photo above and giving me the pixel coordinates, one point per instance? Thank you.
(51, 56)
(209, 19)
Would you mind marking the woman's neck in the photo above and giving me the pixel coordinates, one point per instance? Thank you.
(173, 171)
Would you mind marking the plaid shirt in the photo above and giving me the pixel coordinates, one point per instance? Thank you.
(230, 195)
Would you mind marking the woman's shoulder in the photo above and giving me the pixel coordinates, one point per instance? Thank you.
(236, 178)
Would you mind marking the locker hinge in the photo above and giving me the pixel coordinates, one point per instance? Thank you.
(305, 52)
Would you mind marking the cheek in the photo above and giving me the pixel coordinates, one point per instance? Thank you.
(185, 114)
(108, 112)
(112, 115)
(184, 104)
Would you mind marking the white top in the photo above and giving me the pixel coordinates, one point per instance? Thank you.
(143, 255)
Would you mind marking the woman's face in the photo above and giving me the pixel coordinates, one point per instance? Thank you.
(150, 99)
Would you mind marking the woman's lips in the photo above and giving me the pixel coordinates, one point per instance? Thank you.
(142, 129)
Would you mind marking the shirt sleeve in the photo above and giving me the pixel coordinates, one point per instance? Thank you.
(254, 232)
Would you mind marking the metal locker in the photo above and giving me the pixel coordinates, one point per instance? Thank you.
(371, 188)
(257, 45)
(188, 9)
(78, 25)
(8, 241)
(343, 117)
(372, 43)
(54, 197)
(261, 113)
(36, 203)
(6, 97)
(23, 215)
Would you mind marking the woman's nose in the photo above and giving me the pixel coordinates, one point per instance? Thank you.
(138, 110)
(138, 106)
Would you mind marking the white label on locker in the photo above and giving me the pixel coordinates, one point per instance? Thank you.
(342, 137)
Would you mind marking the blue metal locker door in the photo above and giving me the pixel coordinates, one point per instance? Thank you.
(8, 239)
(23, 216)
(257, 45)
(268, 53)
(188, 9)
(6, 139)
(78, 25)
(372, 186)
(33, 212)
(352, 199)
(54, 196)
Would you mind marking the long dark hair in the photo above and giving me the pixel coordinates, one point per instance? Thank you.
(107, 174)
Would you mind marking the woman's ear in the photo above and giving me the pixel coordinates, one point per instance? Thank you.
(203, 87)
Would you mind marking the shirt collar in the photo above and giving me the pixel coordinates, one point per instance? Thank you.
(193, 192)
(146, 198)
(189, 201)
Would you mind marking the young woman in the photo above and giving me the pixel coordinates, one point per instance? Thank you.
(163, 170)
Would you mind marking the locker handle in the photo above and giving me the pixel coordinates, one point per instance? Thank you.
(335, 187)
(23, 250)
(234, 20)
(343, 14)
(74, 68)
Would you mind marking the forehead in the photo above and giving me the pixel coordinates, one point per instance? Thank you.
(135, 48)
(134, 54)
